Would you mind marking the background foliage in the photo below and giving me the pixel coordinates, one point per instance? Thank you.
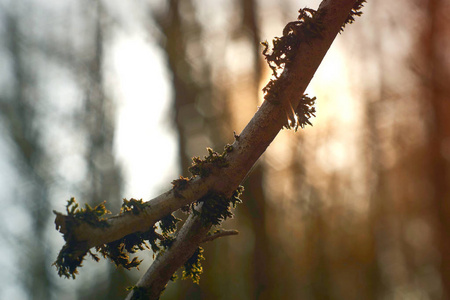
(355, 207)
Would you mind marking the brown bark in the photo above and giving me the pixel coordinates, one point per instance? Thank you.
(253, 141)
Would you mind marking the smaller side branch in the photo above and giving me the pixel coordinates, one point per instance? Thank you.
(219, 233)
(116, 227)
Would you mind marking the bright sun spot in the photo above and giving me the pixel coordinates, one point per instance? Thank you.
(145, 144)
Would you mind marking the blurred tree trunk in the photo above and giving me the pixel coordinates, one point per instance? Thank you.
(188, 120)
(19, 110)
(181, 31)
(194, 94)
(104, 181)
(379, 212)
(22, 114)
(436, 72)
(377, 197)
(255, 203)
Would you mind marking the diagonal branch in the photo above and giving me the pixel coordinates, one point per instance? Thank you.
(252, 142)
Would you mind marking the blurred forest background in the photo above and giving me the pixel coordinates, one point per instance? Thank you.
(104, 100)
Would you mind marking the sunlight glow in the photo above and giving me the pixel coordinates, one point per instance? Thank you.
(144, 143)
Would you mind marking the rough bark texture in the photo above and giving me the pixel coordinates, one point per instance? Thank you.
(252, 142)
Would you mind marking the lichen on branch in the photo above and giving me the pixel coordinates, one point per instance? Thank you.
(216, 208)
(74, 251)
(285, 48)
(355, 12)
(203, 167)
(313, 32)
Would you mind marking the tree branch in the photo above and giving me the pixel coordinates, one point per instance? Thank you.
(221, 179)
(253, 141)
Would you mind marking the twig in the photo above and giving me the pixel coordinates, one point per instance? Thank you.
(219, 233)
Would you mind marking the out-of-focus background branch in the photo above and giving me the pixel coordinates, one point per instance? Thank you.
(103, 100)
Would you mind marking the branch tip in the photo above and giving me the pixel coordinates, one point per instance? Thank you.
(219, 233)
